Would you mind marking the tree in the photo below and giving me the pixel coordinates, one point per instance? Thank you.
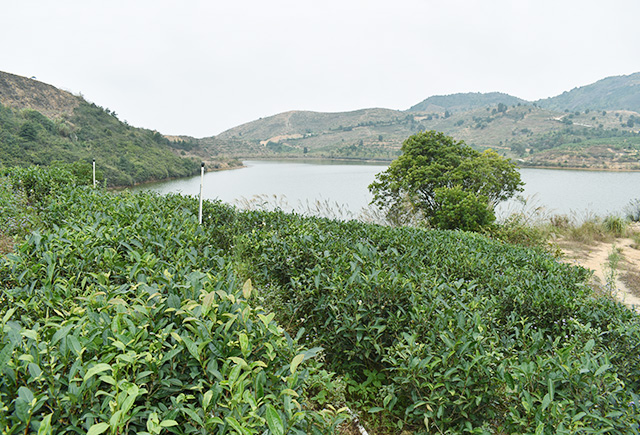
(431, 160)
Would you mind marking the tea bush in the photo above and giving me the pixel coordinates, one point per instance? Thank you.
(122, 314)
(449, 331)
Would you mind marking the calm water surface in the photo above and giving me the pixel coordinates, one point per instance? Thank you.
(294, 184)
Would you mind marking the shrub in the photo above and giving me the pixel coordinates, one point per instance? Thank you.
(123, 316)
(633, 210)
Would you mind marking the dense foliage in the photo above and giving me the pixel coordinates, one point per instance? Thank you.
(122, 314)
(126, 155)
(430, 161)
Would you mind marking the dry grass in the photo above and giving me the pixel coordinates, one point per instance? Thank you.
(631, 278)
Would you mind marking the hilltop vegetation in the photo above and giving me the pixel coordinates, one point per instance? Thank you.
(595, 126)
(122, 314)
(125, 155)
(464, 102)
(611, 93)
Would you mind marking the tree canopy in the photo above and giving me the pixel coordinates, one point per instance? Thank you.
(432, 161)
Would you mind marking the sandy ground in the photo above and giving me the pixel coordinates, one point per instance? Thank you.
(596, 258)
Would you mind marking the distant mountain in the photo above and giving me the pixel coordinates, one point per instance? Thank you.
(305, 122)
(611, 93)
(595, 126)
(465, 101)
(569, 130)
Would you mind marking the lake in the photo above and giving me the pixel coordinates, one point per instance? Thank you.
(308, 184)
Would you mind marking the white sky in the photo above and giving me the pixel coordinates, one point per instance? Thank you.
(200, 67)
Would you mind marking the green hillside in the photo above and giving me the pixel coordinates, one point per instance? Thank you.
(465, 101)
(596, 126)
(124, 155)
(40, 124)
(611, 93)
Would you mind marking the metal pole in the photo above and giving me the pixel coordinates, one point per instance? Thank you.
(201, 183)
(94, 173)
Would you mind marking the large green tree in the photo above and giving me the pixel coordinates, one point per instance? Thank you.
(432, 161)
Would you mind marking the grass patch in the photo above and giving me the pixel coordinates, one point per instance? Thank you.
(631, 279)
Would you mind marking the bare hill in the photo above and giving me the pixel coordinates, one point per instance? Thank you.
(24, 93)
(300, 123)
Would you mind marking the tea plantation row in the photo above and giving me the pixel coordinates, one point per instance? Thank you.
(120, 314)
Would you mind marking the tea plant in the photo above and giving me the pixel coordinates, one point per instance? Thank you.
(448, 331)
(121, 314)
(122, 317)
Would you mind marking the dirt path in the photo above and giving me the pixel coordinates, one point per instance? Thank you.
(623, 276)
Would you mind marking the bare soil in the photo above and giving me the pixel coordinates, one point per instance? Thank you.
(622, 280)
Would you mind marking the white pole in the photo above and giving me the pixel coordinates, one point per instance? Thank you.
(94, 173)
(201, 182)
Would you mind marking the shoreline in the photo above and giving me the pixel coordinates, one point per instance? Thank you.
(574, 168)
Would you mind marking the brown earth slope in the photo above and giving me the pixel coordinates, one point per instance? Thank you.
(24, 93)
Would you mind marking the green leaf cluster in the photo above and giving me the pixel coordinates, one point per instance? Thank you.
(450, 332)
(121, 316)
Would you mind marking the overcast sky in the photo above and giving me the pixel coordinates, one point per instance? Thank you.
(198, 67)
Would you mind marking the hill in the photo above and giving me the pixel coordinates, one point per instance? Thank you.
(23, 93)
(611, 93)
(566, 131)
(533, 135)
(465, 101)
(40, 124)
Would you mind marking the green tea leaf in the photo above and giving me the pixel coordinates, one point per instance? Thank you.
(5, 354)
(208, 301)
(266, 319)
(589, 345)
(296, 362)
(98, 428)
(274, 421)
(289, 392)
(602, 369)
(168, 423)
(206, 399)
(34, 370)
(98, 368)
(25, 394)
(239, 361)
(61, 333)
(247, 289)
(45, 426)
(8, 315)
(244, 343)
